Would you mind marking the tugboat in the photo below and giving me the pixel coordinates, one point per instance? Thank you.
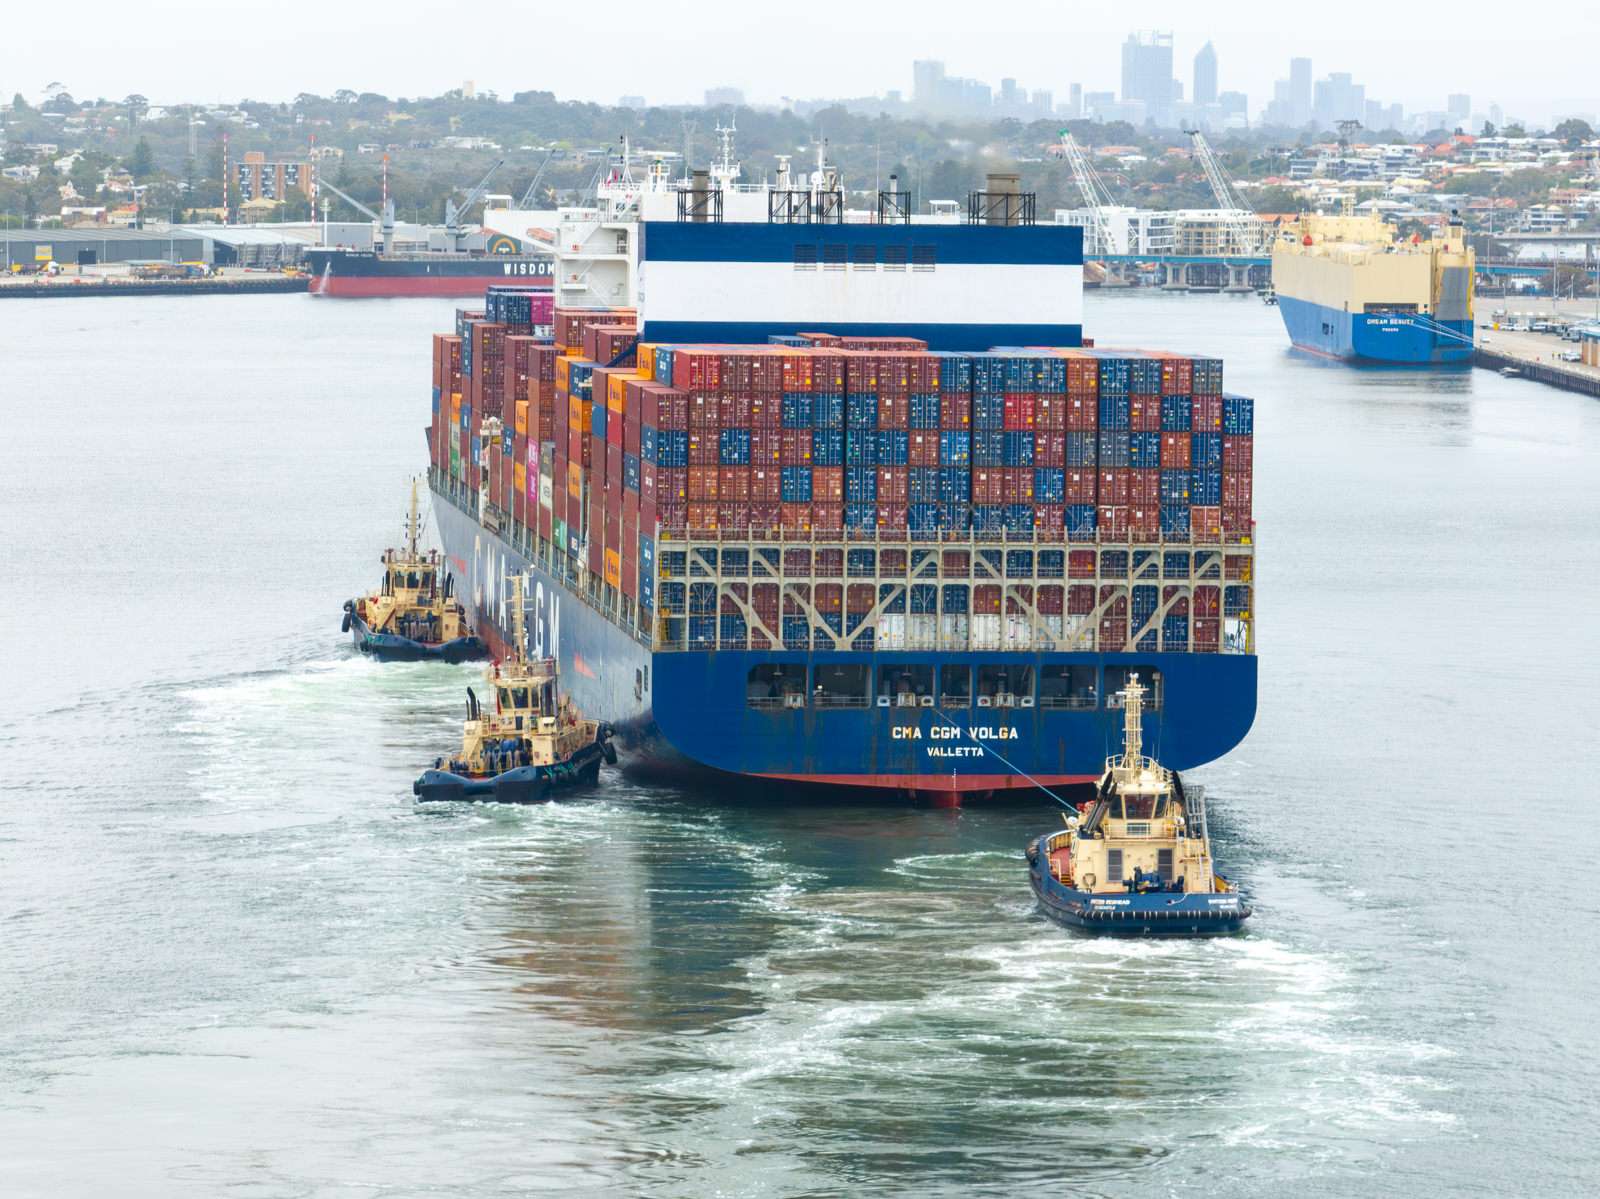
(1137, 860)
(413, 616)
(533, 743)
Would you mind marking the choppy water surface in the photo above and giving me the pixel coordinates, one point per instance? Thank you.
(235, 959)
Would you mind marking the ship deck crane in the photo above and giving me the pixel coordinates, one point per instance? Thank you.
(1096, 195)
(385, 222)
(1232, 206)
(529, 196)
(453, 212)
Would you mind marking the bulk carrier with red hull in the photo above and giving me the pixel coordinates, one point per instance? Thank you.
(460, 275)
(807, 500)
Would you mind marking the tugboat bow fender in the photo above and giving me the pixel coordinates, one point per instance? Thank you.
(602, 737)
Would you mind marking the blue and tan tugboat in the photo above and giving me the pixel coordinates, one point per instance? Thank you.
(1137, 860)
(414, 615)
(532, 742)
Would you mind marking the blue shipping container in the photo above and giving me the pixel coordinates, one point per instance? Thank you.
(733, 447)
(1176, 413)
(988, 518)
(1206, 487)
(988, 447)
(1049, 485)
(924, 485)
(1238, 415)
(1114, 412)
(989, 411)
(860, 447)
(861, 516)
(860, 485)
(894, 447)
(795, 484)
(1175, 486)
(1113, 450)
(861, 410)
(1081, 449)
(1019, 518)
(925, 410)
(672, 447)
(1175, 520)
(1205, 451)
(1079, 519)
(827, 447)
(796, 410)
(955, 484)
(1017, 447)
(1144, 451)
(827, 410)
(955, 447)
(647, 443)
(630, 471)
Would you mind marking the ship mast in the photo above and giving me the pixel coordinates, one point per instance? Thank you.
(517, 634)
(1132, 731)
(413, 524)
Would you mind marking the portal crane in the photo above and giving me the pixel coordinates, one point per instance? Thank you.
(1096, 195)
(454, 212)
(385, 222)
(529, 196)
(1234, 209)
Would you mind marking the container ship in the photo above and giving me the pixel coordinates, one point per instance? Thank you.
(1349, 289)
(817, 506)
(336, 271)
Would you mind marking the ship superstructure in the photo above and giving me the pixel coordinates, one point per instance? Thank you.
(1349, 288)
(791, 515)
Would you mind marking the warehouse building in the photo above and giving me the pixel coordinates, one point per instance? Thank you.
(91, 247)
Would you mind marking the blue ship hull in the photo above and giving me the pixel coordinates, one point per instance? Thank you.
(1375, 337)
(688, 710)
(1130, 914)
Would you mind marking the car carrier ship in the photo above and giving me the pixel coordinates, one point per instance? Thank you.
(786, 513)
(1349, 288)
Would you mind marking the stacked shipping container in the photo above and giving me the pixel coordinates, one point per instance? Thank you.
(597, 442)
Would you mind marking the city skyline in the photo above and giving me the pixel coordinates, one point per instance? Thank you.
(734, 47)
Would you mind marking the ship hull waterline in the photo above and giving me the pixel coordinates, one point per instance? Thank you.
(684, 714)
(1390, 338)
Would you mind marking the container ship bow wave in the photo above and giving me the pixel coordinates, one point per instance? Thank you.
(1347, 288)
(794, 516)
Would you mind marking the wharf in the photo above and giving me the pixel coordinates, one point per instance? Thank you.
(1535, 356)
(152, 287)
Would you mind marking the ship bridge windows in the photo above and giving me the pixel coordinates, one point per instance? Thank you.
(1005, 686)
(1149, 678)
(955, 686)
(1067, 686)
(845, 685)
(776, 685)
(1390, 306)
(905, 685)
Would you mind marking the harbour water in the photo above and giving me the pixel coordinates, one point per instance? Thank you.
(235, 959)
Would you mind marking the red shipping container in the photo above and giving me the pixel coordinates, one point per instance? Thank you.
(596, 459)
(766, 447)
(987, 485)
(1080, 599)
(1081, 486)
(1050, 412)
(1205, 414)
(955, 411)
(703, 482)
(1016, 485)
(924, 447)
(705, 411)
(1018, 411)
(827, 518)
(1082, 413)
(1207, 601)
(827, 371)
(795, 517)
(696, 370)
(827, 484)
(647, 482)
(795, 373)
(733, 484)
(674, 410)
(705, 447)
(1205, 523)
(1236, 523)
(614, 423)
(734, 411)
(1143, 520)
(894, 411)
(765, 516)
(1237, 489)
(1083, 376)
(766, 484)
(1177, 376)
(766, 411)
(1144, 488)
(894, 485)
(1175, 451)
(702, 517)
(1049, 521)
(1049, 446)
(672, 486)
(674, 517)
(1144, 414)
(891, 516)
(1206, 634)
(613, 469)
(1238, 452)
(733, 515)
(795, 447)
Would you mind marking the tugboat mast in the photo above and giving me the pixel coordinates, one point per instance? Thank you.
(413, 524)
(517, 635)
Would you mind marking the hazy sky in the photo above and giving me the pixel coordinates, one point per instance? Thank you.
(1537, 66)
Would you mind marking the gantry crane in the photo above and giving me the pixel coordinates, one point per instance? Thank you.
(1096, 195)
(1233, 208)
